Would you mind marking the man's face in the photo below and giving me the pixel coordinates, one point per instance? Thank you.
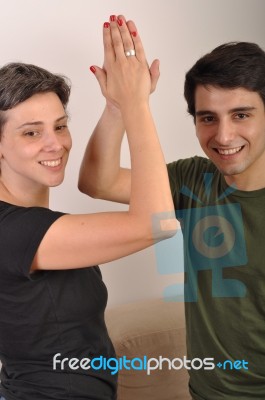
(35, 143)
(230, 126)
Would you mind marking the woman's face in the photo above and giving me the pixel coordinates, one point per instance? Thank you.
(35, 143)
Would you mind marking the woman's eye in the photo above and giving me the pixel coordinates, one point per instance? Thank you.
(61, 127)
(31, 133)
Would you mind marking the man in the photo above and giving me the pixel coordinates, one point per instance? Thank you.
(219, 201)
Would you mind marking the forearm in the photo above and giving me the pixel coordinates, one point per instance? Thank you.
(100, 173)
(149, 178)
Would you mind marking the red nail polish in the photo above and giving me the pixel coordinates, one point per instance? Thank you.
(106, 25)
(120, 21)
(134, 34)
(93, 69)
(113, 18)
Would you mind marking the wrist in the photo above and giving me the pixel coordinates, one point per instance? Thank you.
(112, 110)
(135, 109)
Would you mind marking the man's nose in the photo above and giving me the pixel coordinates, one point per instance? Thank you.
(225, 133)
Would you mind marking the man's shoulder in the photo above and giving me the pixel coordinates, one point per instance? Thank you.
(191, 165)
(189, 171)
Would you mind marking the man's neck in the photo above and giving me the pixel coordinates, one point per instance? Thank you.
(246, 183)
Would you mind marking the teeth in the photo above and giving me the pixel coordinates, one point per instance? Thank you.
(229, 151)
(53, 163)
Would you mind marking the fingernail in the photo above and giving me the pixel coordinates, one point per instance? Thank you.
(120, 21)
(93, 69)
(113, 18)
(106, 25)
(134, 34)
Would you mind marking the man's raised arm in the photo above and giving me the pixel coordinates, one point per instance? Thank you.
(101, 175)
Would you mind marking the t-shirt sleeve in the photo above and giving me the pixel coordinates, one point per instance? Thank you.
(21, 232)
(185, 173)
(177, 171)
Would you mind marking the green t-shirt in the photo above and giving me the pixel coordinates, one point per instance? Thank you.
(224, 251)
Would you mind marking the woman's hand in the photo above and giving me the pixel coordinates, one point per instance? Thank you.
(124, 79)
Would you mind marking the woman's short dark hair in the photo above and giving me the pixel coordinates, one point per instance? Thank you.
(231, 65)
(19, 81)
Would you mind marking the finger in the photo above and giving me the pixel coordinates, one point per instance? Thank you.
(116, 37)
(100, 74)
(139, 50)
(107, 41)
(128, 43)
(155, 74)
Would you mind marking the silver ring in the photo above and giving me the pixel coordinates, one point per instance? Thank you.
(130, 53)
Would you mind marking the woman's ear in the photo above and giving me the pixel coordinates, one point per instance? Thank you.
(1, 155)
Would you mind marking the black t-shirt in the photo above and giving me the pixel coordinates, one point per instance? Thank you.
(46, 313)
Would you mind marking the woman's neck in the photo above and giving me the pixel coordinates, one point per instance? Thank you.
(25, 198)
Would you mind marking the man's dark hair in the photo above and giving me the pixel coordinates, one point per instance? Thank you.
(18, 82)
(231, 65)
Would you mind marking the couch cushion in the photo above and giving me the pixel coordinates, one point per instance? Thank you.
(150, 328)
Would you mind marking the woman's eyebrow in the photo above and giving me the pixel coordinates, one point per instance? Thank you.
(41, 122)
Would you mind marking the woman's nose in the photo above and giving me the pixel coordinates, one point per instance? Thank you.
(52, 142)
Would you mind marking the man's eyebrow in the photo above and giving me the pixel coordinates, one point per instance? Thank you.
(204, 112)
(233, 110)
(245, 108)
(34, 123)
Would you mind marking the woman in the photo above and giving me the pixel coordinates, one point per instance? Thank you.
(52, 298)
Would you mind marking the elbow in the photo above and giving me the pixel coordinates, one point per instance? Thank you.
(90, 189)
(87, 188)
(164, 226)
(165, 234)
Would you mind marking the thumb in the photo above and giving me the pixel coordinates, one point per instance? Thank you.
(100, 74)
(155, 73)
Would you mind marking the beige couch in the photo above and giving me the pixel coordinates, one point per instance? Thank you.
(150, 328)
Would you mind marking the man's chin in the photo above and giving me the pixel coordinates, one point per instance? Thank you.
(229, 171)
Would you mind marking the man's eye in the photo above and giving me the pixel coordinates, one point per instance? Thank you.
(207, 119)
(241, 116)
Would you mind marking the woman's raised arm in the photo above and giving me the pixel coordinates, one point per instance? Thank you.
(75, 241)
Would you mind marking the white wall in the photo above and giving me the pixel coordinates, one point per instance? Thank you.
(65, 37)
